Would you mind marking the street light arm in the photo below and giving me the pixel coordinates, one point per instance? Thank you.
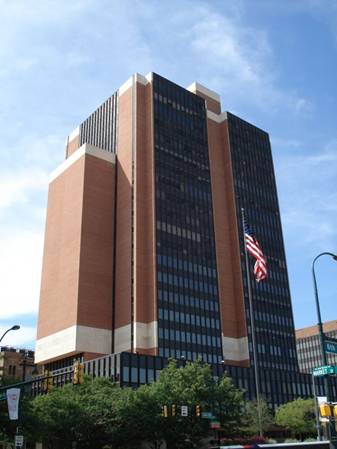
(5, 334)
(334, 256)
(325, 253)
(13, 328)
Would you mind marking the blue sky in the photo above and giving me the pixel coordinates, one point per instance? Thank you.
(273, 63)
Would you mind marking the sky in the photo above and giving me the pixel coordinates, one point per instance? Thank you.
(273, 63)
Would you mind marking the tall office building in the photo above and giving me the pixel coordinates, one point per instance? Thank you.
(144, 248)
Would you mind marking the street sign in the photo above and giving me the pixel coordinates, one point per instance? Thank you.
(330, 346)
(215, 424)
(322, 400)
(207, 415)
(18, 440)
(184, 410)
(324, 370)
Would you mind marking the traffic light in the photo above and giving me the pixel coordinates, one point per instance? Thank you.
(80, 373)
(78, 377)
(198, 410)
(325, 410)
(76, 373)
(164, 411)
(45, 381)
(50, 383)
(174, 409)
(335, 411)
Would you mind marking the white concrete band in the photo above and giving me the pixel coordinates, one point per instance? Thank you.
(126, 86)
(122, 339)
(219, 118)
(72, 340)
(141, 79)
(86, 148)
(196, 87)
(149, 77)
(137, 78)
(145, 335)
(74, 134)
(235, 348)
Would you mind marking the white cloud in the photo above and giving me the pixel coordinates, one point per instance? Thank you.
(20, 267)
(21, 178)
(23, 193)
(17, 187)
(308, 196)
(240, 61)
(220, 48)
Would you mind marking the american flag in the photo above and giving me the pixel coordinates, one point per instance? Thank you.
(253, 247)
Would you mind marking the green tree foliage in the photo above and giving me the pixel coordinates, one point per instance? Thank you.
(87, 411)
(297, 416)
(251, 425)
(99, 414)
(190, 386)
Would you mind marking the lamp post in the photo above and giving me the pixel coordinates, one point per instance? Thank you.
(327, 386)
(13, 328)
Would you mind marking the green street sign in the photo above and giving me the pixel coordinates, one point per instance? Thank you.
(330, 346)
(215, 424)
(324, 370)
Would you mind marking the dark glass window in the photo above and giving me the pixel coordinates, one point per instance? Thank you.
(255, 191)
(187, 296)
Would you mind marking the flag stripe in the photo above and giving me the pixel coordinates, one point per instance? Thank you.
(254, 249)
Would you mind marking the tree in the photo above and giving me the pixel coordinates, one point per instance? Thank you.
(87, 411)
(99, 414)
(96, 414)
(138, 419)
(297, 416)
(251, 418)
(228, 405)
(191, 386)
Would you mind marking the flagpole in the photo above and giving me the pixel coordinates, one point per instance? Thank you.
(252, 328)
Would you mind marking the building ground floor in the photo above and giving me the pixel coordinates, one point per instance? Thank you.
(276, 386)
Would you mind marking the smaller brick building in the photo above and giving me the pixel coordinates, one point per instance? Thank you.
(16, 363)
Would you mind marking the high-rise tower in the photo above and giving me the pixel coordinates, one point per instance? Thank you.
(144, 249)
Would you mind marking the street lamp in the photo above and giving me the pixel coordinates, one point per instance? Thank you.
(324, 358)
(13, 328)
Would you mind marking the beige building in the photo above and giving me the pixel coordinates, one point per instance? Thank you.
(308, 346)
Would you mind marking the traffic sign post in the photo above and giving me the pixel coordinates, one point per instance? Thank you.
(184, 410)
(18, 440)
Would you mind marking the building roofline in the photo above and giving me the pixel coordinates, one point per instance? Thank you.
(195, 87)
